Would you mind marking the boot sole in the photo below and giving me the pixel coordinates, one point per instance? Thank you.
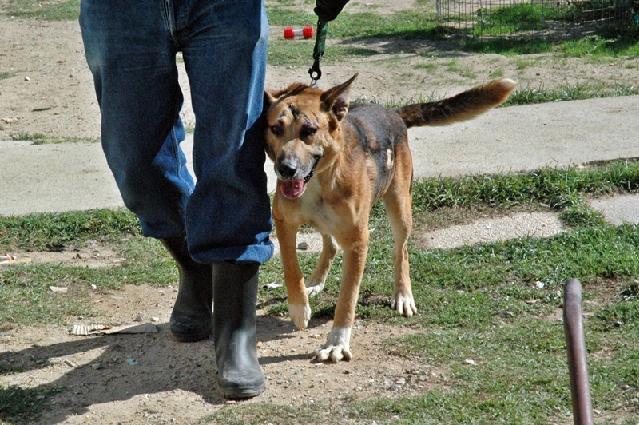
(191, 337)
(239, 393)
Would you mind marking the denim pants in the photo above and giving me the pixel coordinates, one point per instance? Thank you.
(131, 48)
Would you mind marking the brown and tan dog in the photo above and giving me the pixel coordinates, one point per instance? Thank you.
(333, 162)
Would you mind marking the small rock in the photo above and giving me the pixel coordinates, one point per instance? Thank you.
(70, 363)
(155, 319)
(302, 246)
(58, 290)
(470, 361)
(94, 286)
(96, 366)
(539, 285)
(27, 78)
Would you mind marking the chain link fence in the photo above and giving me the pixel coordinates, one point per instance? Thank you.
(535, 18)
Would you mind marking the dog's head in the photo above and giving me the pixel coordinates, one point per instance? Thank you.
(303, 132)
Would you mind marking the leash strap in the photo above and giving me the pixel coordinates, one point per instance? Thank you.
(320, 44)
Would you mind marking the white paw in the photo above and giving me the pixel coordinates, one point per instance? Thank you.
(313, 288)
(404, 304)
(336, 347)
(300, 314)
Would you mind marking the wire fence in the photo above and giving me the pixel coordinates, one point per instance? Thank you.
(535, 18)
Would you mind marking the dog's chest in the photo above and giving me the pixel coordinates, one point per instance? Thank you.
(317, 212)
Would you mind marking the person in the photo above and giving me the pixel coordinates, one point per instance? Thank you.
(218, 229)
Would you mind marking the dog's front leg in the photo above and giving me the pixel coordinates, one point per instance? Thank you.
(298, 308)
(337, 345)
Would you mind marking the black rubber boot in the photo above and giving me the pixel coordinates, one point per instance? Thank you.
(239, 374)
(191, 319)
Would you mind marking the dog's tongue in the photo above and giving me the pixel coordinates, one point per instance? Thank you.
(293, 189)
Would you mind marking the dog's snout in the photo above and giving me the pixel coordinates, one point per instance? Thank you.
(286, 169)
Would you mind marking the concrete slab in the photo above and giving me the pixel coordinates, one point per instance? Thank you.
(528, 137)
(55, 178)
(307, 242)
(618, 209)
(74, 176)
(533, 224)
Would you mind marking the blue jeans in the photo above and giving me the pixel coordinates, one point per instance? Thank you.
(131, 48)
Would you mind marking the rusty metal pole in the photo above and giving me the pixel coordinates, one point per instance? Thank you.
(576, 347)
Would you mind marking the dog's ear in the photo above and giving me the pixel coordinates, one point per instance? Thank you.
(336, 99)
(269, 99)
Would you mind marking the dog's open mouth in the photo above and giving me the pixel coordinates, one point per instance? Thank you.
(294, 188)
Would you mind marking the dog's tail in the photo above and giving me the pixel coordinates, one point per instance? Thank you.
(461, 107)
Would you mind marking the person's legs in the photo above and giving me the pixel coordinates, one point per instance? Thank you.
(228, 216)
(131, 53)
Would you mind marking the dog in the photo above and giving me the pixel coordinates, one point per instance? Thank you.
(333, 161)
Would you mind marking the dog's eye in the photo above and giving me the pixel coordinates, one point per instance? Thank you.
(277, 129)
(307, 131)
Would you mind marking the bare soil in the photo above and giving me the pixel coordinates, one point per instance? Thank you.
(151, 378)
(46, 88)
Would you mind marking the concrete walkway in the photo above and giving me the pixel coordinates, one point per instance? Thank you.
(74, 176)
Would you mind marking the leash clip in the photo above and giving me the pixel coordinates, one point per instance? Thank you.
(315, 72)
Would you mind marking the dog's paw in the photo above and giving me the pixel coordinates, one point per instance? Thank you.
(333, 353)
(404, 303)
(300, 314)
(313, 288)
(336, 347)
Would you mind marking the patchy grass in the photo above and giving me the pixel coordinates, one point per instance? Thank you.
(492, 303)
(518, 17)
(5, 75)
(496, 73)
(300, 52)
(44, 139)
(60, 231)
(22, 405)
(50, 10)
(528, 96)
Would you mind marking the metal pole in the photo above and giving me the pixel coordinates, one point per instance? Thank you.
(576, 347)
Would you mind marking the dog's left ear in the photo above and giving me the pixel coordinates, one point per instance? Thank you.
(269, 99)
(336, 99)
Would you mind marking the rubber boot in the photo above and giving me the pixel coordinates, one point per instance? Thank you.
(239, 374)
(191, 319)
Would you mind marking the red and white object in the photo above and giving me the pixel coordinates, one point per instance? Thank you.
(291, 33)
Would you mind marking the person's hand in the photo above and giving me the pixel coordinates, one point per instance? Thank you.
(327, 10)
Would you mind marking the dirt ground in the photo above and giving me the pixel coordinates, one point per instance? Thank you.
(47, 88)
(150, 378)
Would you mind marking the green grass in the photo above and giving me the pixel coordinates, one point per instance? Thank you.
(528, 96)
(5, 75)
(518, 17)
(482, 303)
(59, 231)
(50, 10)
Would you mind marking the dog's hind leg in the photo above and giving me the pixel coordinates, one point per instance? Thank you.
(315, 283)
(298, 307)
(397, 201)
